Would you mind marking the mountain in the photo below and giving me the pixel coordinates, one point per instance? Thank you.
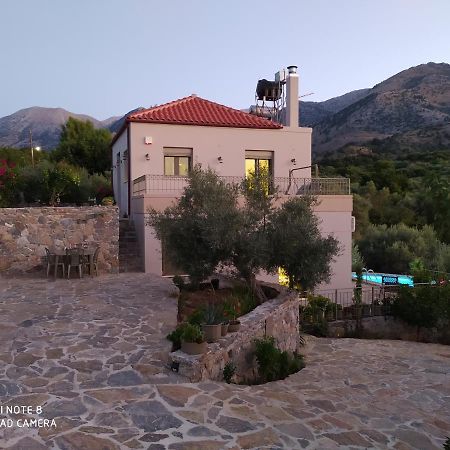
(115, 126)
(410, 107)
(44, 123)
(410, 110)
(312, 113)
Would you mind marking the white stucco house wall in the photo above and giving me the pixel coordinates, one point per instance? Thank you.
(155, 148)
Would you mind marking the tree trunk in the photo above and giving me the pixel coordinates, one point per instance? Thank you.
(256, 289)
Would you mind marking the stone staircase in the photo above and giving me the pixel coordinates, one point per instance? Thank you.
(130, 259)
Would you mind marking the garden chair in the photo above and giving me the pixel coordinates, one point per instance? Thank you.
(51, 261)
(75, 258)
(95, 260)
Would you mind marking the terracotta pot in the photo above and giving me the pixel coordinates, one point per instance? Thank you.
(224, 329)
(192, 348)
(212, 332)
(234, 326)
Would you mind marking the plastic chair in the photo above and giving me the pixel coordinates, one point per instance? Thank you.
(74, 259)
(51, 261)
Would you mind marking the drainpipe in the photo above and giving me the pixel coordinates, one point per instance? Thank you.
(316, 170)
(129, 169)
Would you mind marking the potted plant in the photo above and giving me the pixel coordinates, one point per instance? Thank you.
(231, 309)
(192, 340)
(224, 327)
(107, 201)
(212, 327)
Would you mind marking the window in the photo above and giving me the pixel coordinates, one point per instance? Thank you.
(125, 166)
(259, 164)
(177, 161)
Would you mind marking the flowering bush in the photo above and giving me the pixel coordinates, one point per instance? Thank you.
(7, 183)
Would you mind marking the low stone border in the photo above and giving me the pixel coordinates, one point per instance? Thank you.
(387, 327)
(278, 317)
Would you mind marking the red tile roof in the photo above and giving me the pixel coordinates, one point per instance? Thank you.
(194, 110)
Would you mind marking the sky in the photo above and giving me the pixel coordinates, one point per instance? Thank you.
(106, 57)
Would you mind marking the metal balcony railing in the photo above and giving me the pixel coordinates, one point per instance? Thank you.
(164, 184)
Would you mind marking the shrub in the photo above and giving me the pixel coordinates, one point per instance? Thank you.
(178, 282)
(192, 333)
(196, 318)
(175, 337)
(212, 315)
(274, 364)
(106, 201)
(423, 306)
(228, 371)
(315, 315)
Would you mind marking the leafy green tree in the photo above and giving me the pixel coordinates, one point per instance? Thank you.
(199, 231)
(21, 157)
(392, 249)
(296, 245)
(437, 191)
(250, 246)
(8, 181)
(83, 145)
(207, 228)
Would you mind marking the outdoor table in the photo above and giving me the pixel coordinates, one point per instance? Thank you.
(89, 252)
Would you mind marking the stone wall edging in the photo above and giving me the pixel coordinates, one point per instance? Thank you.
(278, 317)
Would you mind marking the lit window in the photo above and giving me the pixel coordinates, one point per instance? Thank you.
(177, 161)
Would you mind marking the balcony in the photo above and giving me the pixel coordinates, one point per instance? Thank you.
(173, 186)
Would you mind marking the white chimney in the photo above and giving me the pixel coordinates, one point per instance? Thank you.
(292, 97)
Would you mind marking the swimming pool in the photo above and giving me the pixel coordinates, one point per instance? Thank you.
(377, 278)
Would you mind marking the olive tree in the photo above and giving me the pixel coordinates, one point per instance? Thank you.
(297, 246)
(199, 231)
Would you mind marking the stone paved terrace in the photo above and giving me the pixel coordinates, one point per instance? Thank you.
(93, 353)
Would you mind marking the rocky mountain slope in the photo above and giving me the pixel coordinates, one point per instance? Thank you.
(44, 123)
(405, 105)
(312, 113)
(409, 110)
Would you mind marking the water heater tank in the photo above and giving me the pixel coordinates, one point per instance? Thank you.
(268, 90)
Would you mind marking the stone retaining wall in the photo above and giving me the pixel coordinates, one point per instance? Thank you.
(26, 232)
(278, 318)
(387, 327)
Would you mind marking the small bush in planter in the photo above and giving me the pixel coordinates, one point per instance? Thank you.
(228, 371)
(192, 340)
(212, 320)
(196, 318)
(231, 309)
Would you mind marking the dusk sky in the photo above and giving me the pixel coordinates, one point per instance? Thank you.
(106, 57)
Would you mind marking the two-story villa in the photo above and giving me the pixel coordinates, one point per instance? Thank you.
(155, 149)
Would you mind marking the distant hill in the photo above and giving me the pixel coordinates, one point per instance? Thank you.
(410, 110)
(44, 123)
(406, 106)
(312, 113)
